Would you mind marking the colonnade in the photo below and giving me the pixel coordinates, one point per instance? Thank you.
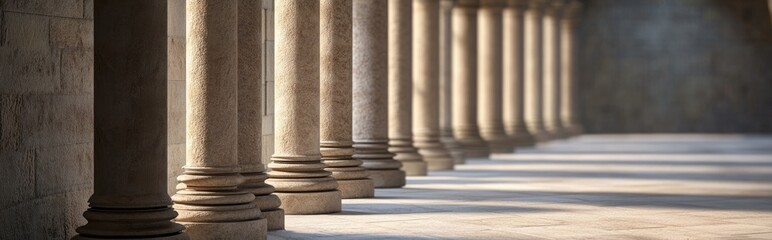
(367, 93)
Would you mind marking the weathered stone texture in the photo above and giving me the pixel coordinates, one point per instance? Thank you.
(18, 177)
(675, 66)
(49, 177)
(72, 33)
(58, 8)
(46, 117)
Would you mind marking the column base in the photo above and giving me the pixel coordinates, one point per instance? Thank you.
(500, 145)
(474, 148)
(356, 188)
(440, 164)
(574, 130)
(304, 203)
(275, 219)
(388, 178)
(254, 229)
(524, 141)
(540, 136)
(435, 155)
(457, 156)
(269, 206)
(414, 168)
(453, 149)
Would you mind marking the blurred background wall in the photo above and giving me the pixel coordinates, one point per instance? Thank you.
(675, 66)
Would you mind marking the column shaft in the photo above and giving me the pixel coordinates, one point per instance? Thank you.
(250, 118)
(533, 70)
(297, 171)
(208, 200)
(401, 88)
(568, 69)
(514, 77)
(446, 89)
(130, 198)
(464, 75)
(490, 73)
(426, 83)
(551, 70)
(335, 100)
(370, 100)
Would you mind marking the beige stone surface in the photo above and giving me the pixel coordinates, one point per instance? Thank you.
(297, 171)
(212, 161)
(490, 76)
(551, 71)
(426, 82)
(250, 115)
(370, 86)
(401, 88)
(335, 100)
(568, 90)
(446, 83)
(589, 187)
(534, 112)
(464, 78)
(514, 73)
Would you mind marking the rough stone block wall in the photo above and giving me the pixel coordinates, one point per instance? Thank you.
(176, 97)
(675, 66)
(46, 117)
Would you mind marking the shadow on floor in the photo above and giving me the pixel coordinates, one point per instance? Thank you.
(286, 235)
(389, 208)
(688, 201)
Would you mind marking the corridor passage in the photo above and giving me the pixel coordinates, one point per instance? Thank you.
(590, 187)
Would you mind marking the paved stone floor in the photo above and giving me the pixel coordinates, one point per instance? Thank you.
(589, 187)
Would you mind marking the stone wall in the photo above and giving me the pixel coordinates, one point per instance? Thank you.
(676, 66)
(46, 112)
(46, 117)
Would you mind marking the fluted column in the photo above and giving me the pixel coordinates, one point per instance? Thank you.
(464, 75)
(130, 198)
(514, 76)
(209, 201)
(401, 88)
(551, 70)
(490, 73)
(370, 101)
(568, 107)
(297, 171)
(426, 84)
(446, 89)
(250, 118)
(335, 100)
(533, 70)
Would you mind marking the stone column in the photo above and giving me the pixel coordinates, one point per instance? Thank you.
(551, 70)
(370, 101)
(533, 70)
(250, 118)
(335, 100)
(568, 107)
(401, 88)
(446, 90)
(426, 84)
(489, 75)
(297, 171)
(130, 198)
(208, 199)
(464, 75)
(514, 78)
